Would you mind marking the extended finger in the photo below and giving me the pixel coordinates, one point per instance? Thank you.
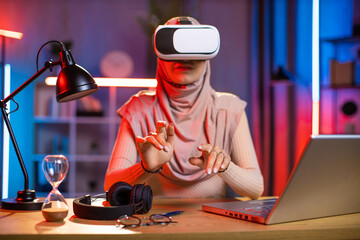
(160, 139)
(170, 131)
(160, 128)
(152, 134)
(218, 162)
(205, 149)
(139, 139)
(225, 163)
(161, 134)
(151, 139)
(211, 159)
(140, 142)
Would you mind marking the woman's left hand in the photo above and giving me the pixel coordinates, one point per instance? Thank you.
(213, 159)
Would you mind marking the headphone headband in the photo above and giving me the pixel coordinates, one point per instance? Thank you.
(83, 209)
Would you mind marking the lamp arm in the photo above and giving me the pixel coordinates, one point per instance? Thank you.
(16, 147)
(47, 65)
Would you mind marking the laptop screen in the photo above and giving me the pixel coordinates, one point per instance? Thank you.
(325, 182)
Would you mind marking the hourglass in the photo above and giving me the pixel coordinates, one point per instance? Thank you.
(55, 168)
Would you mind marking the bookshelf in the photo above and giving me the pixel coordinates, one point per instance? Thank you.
(85, 137)
(344, 73)
(340, 87)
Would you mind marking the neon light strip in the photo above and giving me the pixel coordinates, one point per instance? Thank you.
(315, 68)
(315, 117)
(115, 82)
(6, 141)
(11, 34)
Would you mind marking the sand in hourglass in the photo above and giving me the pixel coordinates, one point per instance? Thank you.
(55, 215)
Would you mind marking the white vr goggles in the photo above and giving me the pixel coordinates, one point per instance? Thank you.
(186, 42)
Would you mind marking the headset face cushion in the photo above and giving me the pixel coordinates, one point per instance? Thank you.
(136, 194)
(142, 197)
(148, 197)
(120, 194)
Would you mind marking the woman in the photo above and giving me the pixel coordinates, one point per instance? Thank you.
(191, 140)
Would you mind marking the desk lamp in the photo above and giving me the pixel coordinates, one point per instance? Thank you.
(73, 82)
(5, 76)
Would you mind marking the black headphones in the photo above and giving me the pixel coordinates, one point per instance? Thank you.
(123, 198)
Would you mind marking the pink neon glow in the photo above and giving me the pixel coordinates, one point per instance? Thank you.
(11, 34)
(282, 94)
(315, 117)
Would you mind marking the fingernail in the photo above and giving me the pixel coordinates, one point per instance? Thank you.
(223, 166)
(215, 170)
(209, 171)
(199, 147)
(166, 149)
(161, 147)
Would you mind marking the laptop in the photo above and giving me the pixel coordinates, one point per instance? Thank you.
(325, 182)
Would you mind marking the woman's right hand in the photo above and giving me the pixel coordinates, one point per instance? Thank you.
(157, 148)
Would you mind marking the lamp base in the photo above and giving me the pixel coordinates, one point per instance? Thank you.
(25, 200)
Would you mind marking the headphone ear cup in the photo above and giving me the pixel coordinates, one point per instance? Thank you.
(141, 196)
(119, 194)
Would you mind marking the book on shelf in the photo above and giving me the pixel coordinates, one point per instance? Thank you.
(45, 104)
(342, 73)
(89, 106)
(357, 73)
(56, 109)
(42, 96)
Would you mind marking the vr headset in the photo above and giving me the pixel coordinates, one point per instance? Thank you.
(186, 42)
